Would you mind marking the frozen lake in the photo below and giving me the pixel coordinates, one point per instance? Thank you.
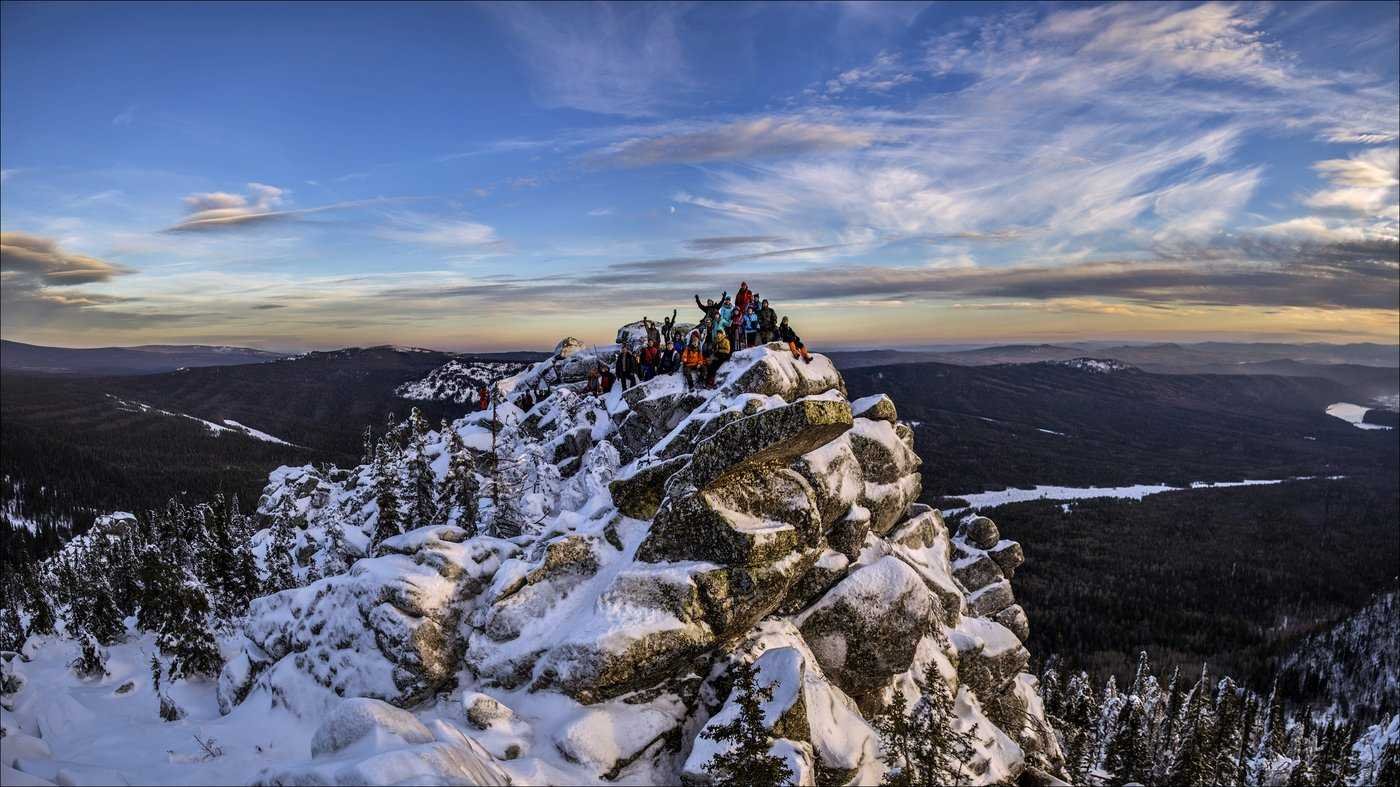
(1135, 492)
(1352, 414)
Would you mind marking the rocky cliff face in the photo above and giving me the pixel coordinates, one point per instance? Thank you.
(770, 520)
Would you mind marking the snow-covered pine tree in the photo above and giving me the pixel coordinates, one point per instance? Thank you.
(1195, 761)
(184, 633)
(922, 746)
(1165, 733)
(337, 551)
(748, 762)
(91, 661)
(11, 626)
(35, 597)
(1225, 745)
(367, 446)
(1388, 774)
(460, 488)
(279, 560)
(386, 490)
(422, 484)
(506, 481)
(1128, 754)
(1081, 727)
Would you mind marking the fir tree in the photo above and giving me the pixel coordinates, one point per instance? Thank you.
(748, 761)
(367, 446)
(460, 488)
(337, 551)
(1388, 773)
(91, 661)
(11, 626)
(422, 484)
(386, 491)
(921, 745)
(1128, 751)
(506, 480)
(36, 601)
(279, 560)
(1195, 762)
(1081, 728)
(184, 634)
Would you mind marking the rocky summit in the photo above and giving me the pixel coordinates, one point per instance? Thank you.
(671, 533)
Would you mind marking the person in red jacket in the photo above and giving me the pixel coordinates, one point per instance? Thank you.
(483, 398)
(743, 298)
(649, 356)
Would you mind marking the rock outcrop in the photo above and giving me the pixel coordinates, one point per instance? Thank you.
(770, 520)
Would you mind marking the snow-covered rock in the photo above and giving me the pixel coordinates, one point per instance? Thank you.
(768, 519)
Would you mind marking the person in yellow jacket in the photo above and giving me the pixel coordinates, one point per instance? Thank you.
(719, 353)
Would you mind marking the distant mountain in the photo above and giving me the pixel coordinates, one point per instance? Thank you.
(1371, 371)
(1066, 423)
(103, 361)
(75, 444)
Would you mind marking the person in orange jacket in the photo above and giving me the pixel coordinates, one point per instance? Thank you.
(693, 363)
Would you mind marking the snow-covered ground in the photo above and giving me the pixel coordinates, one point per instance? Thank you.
(109, 730)
(1352, 414)
(978, 500)
(229, 425)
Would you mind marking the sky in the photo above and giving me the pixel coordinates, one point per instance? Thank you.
(486, 177)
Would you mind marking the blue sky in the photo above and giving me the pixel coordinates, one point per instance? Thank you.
(493, 176)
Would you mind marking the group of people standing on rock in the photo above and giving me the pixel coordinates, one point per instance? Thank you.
(727, 326)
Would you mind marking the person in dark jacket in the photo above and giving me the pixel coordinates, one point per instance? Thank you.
(794, 342)
(709, 307)
(668, 359)
(626, 367)
(767, 323)
(667, 326)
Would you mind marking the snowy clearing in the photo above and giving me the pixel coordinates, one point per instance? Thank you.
(230, 426)
(1135, 492)
(1352, 414)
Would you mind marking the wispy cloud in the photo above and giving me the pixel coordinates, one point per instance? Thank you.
(745, 139)
(433, 231)
(220, 211)
(611, 58)
(730, 241)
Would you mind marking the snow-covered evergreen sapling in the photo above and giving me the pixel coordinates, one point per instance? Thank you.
(747, 761)
(279, 560)
(460, 489)
(920, 744)
(386, 491)
(92, 659)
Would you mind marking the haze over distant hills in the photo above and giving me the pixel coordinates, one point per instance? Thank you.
(1372, 370)
(144, 359)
